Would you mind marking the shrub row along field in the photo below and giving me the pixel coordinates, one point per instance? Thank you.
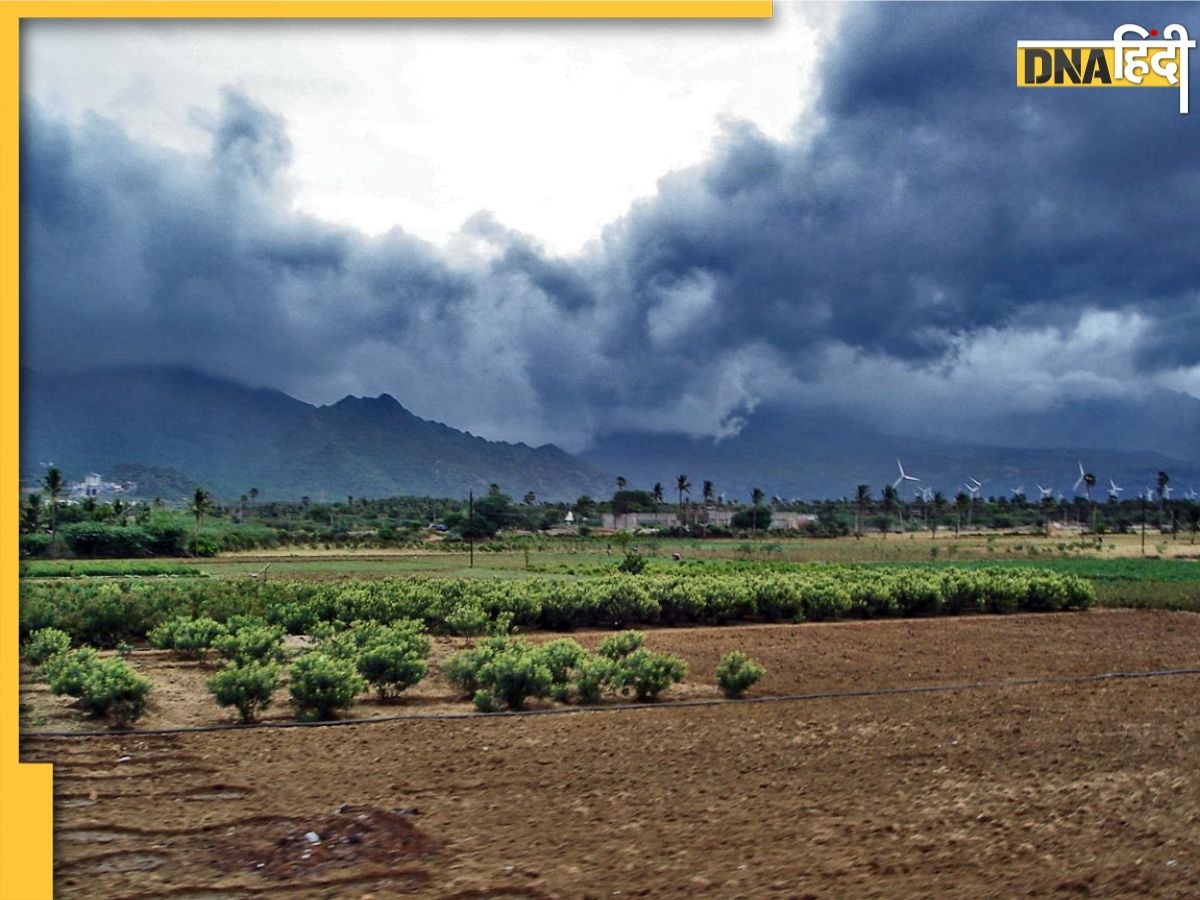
(108, 613)
(503, 671)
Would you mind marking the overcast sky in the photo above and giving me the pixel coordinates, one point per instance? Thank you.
(548, 231)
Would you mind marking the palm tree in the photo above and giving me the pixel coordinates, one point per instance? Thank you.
(960, 500)
(33, 512)
(621, 482)
(657, 494)
(889, 502)
(1089, 481)
(708, 492)
(1163, 480)
(253, 495)
(756, 497)
(201, 504)
(863, 497)
(53, 483)
(939, 508)
(530, 498)
(683, 486)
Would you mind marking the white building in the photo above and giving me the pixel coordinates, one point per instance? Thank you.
(94, 486)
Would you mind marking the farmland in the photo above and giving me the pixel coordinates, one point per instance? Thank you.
(887, 750)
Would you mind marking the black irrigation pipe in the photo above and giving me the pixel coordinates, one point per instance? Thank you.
(629, 707)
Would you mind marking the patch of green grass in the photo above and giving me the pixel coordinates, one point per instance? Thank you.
(1182, 596)
(76, 568)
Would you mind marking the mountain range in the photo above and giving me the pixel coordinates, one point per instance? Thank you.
(168, 427)
(229, 437)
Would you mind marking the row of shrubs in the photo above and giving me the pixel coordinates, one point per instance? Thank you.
(104, 687)
(153, 539)
(105, 614)
(505, 671)
(502, 671)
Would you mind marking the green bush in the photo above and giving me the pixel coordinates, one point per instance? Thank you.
(109, 614)
(619, 645)
(466, 618)
(462, 669)
(193, 638)
(296, 617)
(251, 643)
(1080, 593)
(592, 676)
(35, 546)
(204, 545)
(162, 636)
(623, 600)
(648, 674)
(360, 635)
(319, 685)
(45, 643)
(825, 600)
(111, 688)
(917, 594)
(736, 673)
(66, 671)
(632, 564)
(560, 657)
(515, 675)
(391, 667)
(248, 686)
(484, 701)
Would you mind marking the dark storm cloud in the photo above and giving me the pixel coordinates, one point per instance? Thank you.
(940, 199)
(134, 255)
(934, 203)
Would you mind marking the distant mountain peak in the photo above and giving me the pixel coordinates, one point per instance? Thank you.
(230, 436)
(383, 401)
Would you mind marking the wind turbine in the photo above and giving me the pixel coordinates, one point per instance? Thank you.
(972, 487)
(1114, 489)
(1047, 493)
(1018, 491)
(1087, 479)
(1191, 494)
(903, 476)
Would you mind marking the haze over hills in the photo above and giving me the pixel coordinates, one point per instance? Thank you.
(228, 437)
(826, 455)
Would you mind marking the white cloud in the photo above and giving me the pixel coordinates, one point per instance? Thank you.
(555, 127)
(991, 372)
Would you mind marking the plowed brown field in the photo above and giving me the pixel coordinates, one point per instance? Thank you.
(1086, 788)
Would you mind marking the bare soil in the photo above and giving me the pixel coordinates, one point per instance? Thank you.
(1086, 788)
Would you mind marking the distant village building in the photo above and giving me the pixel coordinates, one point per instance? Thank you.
(95, 487)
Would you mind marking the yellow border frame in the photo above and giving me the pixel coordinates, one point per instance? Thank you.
(26, 791)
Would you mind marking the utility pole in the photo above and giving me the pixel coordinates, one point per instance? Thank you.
(1143, 524)
(471, 527)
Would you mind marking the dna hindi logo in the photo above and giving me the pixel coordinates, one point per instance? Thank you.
(1134, 57)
